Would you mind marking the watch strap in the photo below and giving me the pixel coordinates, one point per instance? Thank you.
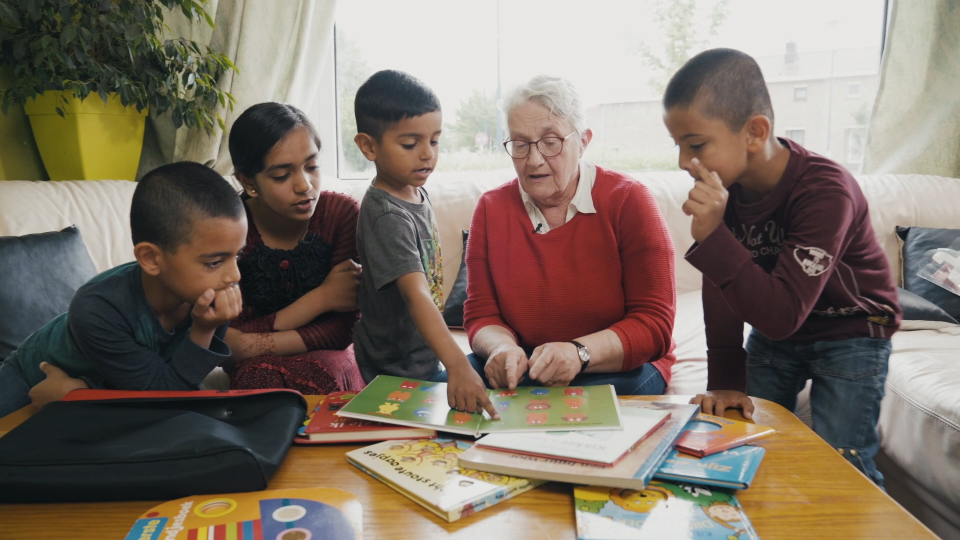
(581, 346)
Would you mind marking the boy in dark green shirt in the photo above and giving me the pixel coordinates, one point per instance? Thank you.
(157, 323)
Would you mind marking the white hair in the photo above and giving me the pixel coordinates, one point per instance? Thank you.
(555, 93)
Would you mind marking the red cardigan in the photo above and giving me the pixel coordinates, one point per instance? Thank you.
(612, 269)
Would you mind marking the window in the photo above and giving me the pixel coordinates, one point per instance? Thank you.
(855, 139)
(796, 135)
(853, 90)
(618, 53)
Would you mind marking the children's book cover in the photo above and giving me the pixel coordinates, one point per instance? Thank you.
(734, 468)
(633, 471)
(428, 472)
(323, 426)
(409, 402)
(662, 510)
(709, 434)
(279, 514)
(599, 447)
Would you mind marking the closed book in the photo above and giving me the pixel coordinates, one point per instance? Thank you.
(734, 468)
(423, 404)
(663, 510)
(631, 472)
(301, 513)
(710, 434)
(428, 472)
(598, 447)
(324, 426)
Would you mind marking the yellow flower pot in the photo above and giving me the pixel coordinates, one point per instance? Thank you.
(93, 142)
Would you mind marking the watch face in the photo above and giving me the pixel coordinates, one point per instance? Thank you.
(584, 354)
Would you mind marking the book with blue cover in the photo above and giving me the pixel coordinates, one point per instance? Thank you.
(734, 468)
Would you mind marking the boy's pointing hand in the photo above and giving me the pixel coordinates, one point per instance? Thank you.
(706, 202)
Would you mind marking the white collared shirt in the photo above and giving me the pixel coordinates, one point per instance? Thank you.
(582, 200)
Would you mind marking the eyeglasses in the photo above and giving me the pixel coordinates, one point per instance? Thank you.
(547, 146)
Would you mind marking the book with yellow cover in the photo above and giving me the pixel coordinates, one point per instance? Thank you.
(428, 472)
(663, 510)
(278, 514)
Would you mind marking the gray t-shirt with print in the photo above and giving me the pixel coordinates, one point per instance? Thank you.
(395, 238)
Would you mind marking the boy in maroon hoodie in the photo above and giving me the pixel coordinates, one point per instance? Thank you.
(784, 241)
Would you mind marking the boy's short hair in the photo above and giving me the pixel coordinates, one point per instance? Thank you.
(169, 199)
(389, 96)
(726, 84)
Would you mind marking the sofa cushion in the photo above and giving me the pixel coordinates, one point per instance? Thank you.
(921, 314)
(916, 242)
(99, 208)
(41, 272)
(920, 414)
(453, 307)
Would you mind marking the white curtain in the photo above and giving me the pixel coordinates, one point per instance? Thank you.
(915, 126)
(279, 48)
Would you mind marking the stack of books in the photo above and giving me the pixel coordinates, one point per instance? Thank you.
(637, 456)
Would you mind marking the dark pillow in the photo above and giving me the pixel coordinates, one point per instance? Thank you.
(453, 307)
(917, 241)
(39, 273)
(916, 308)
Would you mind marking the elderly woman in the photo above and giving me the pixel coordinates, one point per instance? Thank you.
(571, 268)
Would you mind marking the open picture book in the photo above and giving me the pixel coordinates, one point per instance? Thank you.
(410, 402)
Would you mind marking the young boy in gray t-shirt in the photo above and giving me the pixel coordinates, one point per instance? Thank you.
(401, 330)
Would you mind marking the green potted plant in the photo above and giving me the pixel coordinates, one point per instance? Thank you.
(62, 51)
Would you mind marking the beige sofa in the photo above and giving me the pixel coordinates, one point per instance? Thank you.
(920, 416)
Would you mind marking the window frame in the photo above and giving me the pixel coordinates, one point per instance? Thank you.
(803, 132)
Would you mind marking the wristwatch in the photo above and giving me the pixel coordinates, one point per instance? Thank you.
(583, 353)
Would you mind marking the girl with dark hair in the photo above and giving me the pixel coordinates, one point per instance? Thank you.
(299, 278)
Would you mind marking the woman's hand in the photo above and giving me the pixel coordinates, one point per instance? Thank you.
(341, 289)
(506, 366)
(555, 364)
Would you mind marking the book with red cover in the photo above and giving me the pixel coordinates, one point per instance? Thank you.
(707, 434)
(324, 426)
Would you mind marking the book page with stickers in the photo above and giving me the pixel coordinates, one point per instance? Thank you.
(396, 400)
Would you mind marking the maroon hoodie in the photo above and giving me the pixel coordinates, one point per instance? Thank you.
(802, 265)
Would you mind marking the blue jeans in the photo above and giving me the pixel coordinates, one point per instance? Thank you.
(645, 380)
(848, 384)
(14, 388)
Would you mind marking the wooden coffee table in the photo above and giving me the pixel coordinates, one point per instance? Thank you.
(803, 489)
